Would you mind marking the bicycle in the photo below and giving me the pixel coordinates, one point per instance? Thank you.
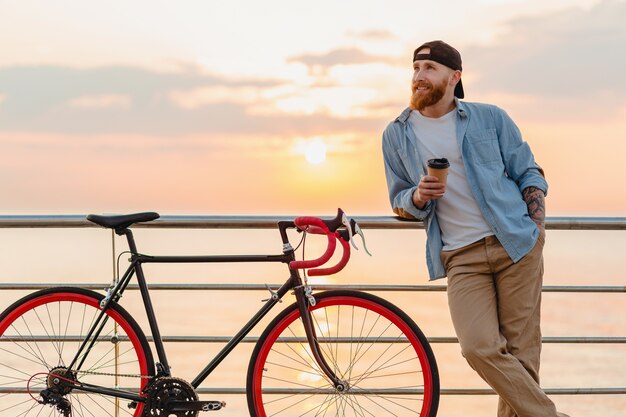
(66, 350)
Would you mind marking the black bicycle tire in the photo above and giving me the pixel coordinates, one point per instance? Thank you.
(356, 294)
(97, 297)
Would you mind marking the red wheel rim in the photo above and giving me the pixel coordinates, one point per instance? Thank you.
(352, 301)
(84, 299)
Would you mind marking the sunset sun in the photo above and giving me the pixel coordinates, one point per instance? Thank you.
(315, 151)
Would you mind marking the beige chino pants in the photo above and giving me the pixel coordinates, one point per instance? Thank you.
(495, 307)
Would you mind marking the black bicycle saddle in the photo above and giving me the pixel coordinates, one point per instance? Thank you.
(122, 221)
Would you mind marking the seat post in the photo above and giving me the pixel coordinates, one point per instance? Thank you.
(129, 238)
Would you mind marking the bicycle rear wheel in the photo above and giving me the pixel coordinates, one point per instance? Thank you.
(39, 336)
(368, 342)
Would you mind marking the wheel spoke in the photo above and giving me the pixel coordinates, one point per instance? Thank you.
(367, 372)
(36, 340)
(31, 334)
(386, 364)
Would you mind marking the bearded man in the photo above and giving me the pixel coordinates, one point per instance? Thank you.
(485, 226)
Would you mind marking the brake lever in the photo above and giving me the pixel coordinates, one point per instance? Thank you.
(359, 231)
(348, 224)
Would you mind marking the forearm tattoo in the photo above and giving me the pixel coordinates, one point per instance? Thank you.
(535, 200)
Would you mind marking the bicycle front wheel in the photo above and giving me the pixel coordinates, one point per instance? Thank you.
(369, 343)
(40, 335)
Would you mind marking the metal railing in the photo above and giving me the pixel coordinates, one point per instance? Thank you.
(367, 222)
(269, 222)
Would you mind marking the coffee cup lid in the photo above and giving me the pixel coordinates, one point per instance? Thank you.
(439, 163)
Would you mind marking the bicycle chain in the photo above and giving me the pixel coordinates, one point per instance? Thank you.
(120, 375)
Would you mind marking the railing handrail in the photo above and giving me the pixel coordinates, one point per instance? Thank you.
(269, 222)
(255, 339)
(319, 287)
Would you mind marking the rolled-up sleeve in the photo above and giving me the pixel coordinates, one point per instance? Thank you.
(518, 159)
(400, 187)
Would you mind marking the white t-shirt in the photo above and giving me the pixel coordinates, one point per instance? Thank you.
(459, 216)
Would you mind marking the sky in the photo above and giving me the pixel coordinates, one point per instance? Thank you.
(277, 107)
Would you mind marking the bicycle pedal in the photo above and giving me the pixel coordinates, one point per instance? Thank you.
(196, 406)
(213, 405)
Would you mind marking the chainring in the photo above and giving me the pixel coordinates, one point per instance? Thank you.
(163, 391)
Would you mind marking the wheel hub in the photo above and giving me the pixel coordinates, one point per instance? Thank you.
(342, 386)
(61, 380)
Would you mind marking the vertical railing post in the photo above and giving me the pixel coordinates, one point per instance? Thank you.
(115, 335)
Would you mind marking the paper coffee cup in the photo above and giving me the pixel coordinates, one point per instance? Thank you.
(439, 168)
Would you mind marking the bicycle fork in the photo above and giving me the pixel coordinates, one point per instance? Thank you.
(307, 320)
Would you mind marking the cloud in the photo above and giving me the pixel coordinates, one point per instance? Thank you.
(572, 54)
(341, 56)
(101, 101)
(199, 97)
(31, 92)
(125, 100)
(374, 35)
(545, 66)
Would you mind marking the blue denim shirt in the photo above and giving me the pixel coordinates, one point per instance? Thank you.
(499, 165)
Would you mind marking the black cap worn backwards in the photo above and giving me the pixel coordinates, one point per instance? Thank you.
(444, 54)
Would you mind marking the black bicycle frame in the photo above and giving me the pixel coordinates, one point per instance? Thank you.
(293, 283)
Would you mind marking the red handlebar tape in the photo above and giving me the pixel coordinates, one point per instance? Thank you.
(317, 226)
(340, 265)
(303, 222)
(332, 243)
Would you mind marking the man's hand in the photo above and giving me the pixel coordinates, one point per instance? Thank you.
(428, 189)
(535, 200)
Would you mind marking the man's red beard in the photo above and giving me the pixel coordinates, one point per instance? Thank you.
(419, 101)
